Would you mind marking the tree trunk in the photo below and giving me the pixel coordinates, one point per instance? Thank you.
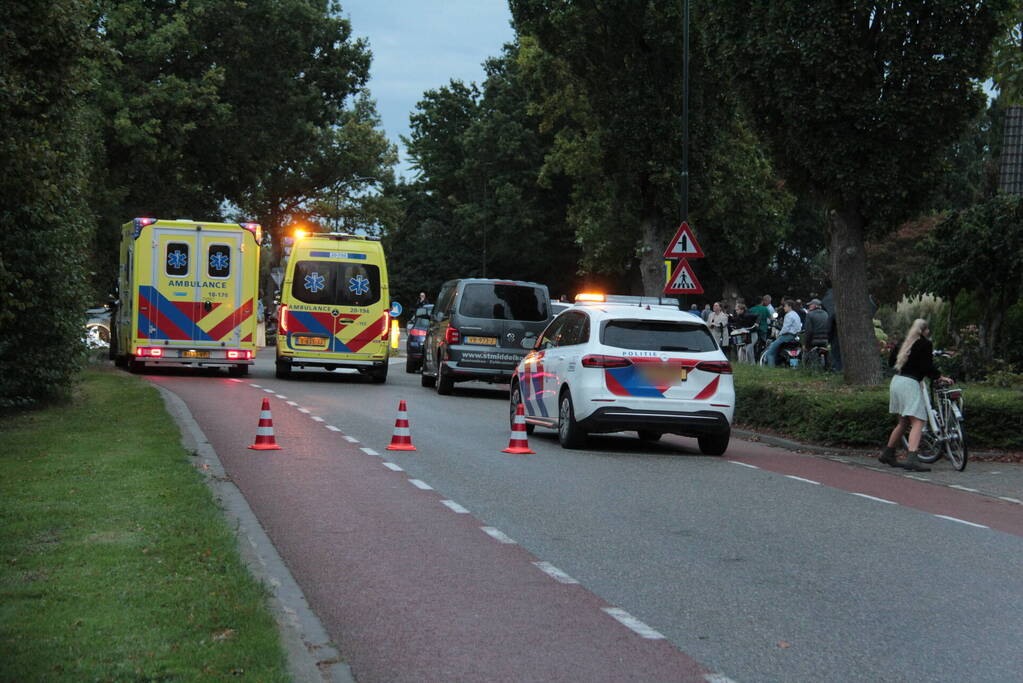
(860, 357)
(730, 293)
(651, 262)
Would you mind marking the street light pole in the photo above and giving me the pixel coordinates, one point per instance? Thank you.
(685, 110)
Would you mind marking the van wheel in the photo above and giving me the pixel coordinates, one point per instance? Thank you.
(713, 445)
(444, 382)
(379, 375)
(570, 434)
(283, 370)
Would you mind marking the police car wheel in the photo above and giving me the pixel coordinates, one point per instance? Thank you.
(570, 434)
(713, 445)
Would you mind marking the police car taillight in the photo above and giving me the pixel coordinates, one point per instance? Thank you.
(282, 317)
(149, 351)
(452, 335)
(598, 360)
(720, 367)
(239, 355)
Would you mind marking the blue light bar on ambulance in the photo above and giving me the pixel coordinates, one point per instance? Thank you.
(138, 224)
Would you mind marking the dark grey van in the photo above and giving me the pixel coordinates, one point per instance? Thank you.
(480, 329)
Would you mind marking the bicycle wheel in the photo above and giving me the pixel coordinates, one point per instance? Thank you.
(929, 450)
(955, 444)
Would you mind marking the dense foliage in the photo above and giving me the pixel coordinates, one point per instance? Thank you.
(45, 228)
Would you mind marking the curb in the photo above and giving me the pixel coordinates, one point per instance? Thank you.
(311, 654)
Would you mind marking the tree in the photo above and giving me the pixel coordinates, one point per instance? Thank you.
(606, 79)
(45, 224)
(979, 251)
(857, 101)
(207, 104)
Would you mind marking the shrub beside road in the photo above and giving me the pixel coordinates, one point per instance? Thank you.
(819, 408)
(115, 562)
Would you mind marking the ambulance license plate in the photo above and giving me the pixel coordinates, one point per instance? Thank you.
(195, 354)
(683, 374)
(309, 341)
(486, 341)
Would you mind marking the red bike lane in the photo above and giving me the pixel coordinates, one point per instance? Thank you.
(407, 587)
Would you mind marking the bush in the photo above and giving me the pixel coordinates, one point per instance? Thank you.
(822, 409)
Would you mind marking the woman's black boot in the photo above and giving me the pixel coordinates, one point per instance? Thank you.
(913, 463)
(888, 457)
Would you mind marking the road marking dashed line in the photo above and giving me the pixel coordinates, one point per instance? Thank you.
(318, 418)
(1010, 500)
(281, 396)
(304, 410)
(717, 678)
(392, 466)
(258, 386)
(963, 488)
(333, 428)
(553, 572)
(420, 484)
(269, 391)
(879, 500)
(292, 403)
(497, 534)
(369, 451)
(744, 464)
(351, 439)
(911, 476)
(454, 507)
(962, 521)
(808, 481)
(632, 623)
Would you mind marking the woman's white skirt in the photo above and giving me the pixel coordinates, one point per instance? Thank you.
(906, 397)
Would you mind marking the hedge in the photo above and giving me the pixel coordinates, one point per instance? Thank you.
(819, 408)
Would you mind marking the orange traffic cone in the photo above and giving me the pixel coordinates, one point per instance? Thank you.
(265, 431)
(518, 443)
(401, 440)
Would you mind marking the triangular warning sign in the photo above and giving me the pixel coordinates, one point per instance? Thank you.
(683, 280)
(683, 244)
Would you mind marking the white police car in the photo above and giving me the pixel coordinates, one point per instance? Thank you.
(612, 364)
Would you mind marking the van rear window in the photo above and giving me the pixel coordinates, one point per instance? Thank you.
(503, 302)
(657, 335)
(336, 283)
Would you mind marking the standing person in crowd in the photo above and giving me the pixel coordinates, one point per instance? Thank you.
(695, 310)
(801, 310)
(790, 327)
(744, 319)
(718, 322)
(763, 313)
(767, 302)
(816, 325)
(705, 313)
(913, 361)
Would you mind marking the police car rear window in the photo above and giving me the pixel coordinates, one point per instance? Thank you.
(656, 335)
(503, 302)
(336, 283)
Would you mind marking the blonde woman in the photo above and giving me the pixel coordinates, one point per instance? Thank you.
(913, 361)
(718, 322)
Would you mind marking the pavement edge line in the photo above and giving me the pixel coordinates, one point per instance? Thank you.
(311, 654)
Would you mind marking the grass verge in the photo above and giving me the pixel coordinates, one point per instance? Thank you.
(115, 562)
(820, 408)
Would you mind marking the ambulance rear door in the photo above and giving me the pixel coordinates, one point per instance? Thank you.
(170, 302)
(221, 275)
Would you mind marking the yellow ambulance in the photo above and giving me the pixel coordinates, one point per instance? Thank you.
(187, 295)
(334, 310)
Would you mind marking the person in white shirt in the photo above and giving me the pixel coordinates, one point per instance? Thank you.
(790, 327)
(718, 322)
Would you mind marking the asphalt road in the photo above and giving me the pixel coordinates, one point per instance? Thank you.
(762, 565)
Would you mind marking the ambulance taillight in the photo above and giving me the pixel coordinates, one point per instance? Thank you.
(233, 354)
(282, 317)
(149, 351)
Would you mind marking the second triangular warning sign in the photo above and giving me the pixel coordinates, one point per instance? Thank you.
(683, 280)
(683, 244)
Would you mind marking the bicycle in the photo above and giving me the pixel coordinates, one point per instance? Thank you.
(943, 433)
